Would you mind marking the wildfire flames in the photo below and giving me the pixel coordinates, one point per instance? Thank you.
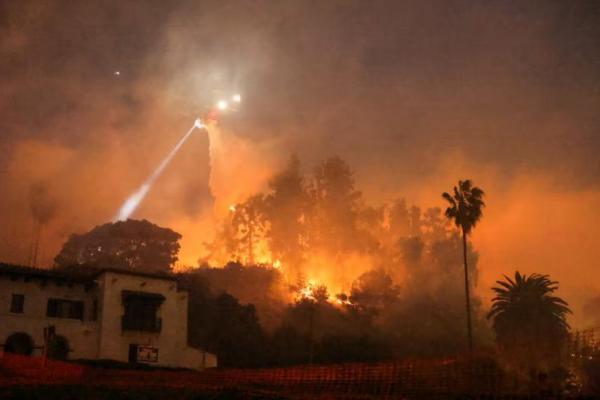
(308, 291)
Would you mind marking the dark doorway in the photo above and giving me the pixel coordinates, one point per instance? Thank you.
(58, 348)
(133, 353)
(19, 343)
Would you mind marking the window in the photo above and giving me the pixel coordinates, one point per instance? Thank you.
(17, 303)
(59, 308)
(141, 311)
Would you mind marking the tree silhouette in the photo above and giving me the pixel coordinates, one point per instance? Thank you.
(374, 290)
(219, 323)
(336, 204)
(465, 211)
(249, 224)
(399, 219)
(529, 322)
(286, 207)
(132, 244)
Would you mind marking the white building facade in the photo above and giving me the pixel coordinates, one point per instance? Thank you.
(113, 315)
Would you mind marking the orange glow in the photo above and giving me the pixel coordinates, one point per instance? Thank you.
(309, 289)
(529, 223)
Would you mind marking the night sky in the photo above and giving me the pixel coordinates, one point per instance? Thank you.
(413, 94)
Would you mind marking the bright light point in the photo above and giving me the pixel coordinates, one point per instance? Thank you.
(237, 98)
(232, 208)
(117, 73)
(198, 124)
(222, 105)
(276, 264)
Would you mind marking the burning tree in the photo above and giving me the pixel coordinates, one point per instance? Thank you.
(287, 205)
(248, 222)
(322, 230)
(333, 222)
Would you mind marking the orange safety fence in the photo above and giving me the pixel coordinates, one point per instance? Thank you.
(391, 380)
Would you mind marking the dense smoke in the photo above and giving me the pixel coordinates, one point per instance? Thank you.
(414, 96)
(393, 262)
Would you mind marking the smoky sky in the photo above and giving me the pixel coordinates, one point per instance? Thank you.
(400, 89)
(513, 83)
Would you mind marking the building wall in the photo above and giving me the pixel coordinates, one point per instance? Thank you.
(171, 341)
(102, 338)
(82, 336)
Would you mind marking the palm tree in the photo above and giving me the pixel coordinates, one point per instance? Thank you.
(465, 210)
(529, 322)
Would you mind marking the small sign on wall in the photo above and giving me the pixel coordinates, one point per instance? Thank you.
(147, 354)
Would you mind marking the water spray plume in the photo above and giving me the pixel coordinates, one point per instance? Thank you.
(133, 201)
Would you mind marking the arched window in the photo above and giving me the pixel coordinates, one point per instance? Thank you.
(19, 343)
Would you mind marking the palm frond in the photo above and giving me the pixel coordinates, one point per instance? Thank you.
(465, 205)
(526, 300)
(510, 281)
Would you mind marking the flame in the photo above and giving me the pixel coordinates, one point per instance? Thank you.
(343, 302)
(308, 291)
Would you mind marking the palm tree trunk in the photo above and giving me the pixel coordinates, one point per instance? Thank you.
(311, 328)
(467, 294)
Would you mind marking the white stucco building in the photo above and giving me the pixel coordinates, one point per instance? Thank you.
(112, 315)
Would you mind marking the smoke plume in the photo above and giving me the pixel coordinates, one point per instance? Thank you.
(413, 95)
